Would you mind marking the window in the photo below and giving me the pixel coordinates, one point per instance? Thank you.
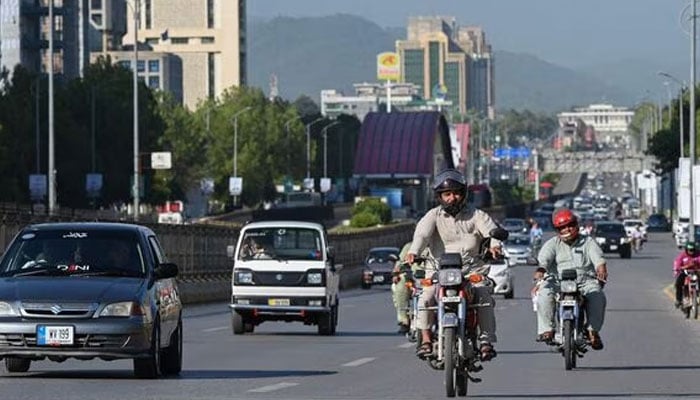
(210, 14)
(211, 72)
(141, 66)
(153, 65)
(96, 4)
(207, 40)
(152, 41)
(149, 14)
(180, 40)
(124, 64)
(154, 82)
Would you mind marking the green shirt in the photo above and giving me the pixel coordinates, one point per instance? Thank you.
(584, 255)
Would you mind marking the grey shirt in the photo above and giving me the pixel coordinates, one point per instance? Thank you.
(584, 255)
(444, 233)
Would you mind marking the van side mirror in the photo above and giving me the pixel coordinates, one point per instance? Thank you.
(230, 251)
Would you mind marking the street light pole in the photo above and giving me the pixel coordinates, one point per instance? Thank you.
(52, 169)
(135, 78)
(325, 147)
(308, 146)
(682, 86)
(235, 145)
(691, 230)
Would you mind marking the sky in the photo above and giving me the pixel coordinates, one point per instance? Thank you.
(572, 33)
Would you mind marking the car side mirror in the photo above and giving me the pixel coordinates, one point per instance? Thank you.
(393, 257)
(230, 251)
(165, 271)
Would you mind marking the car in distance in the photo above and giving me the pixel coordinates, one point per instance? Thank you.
(658, 223)
(612, 238)
(90, 290)
(378, 266)
(499, 272)
(518, 249)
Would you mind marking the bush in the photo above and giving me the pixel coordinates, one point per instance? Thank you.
(364, 219)
(373, 206)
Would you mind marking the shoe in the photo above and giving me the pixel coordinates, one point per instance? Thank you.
(545, 337)
(424, 350)
(677, 304)
(403, 328)
(487, 352)
(596, 342)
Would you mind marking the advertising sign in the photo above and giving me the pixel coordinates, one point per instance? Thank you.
(93, 184)
(309, 183)
(388, 66)
(37, 186)
(325, 184)
(161, 160)
(235, 186)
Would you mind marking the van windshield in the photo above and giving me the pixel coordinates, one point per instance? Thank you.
(281, 244)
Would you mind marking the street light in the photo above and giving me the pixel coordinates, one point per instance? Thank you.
(680, 103)
(135, 76)
(691, 231)
(52, 169)
(325, 147)
(235, 145)
(308, 145)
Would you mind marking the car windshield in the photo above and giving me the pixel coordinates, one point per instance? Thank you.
(281, 244)
(381, 256)
(518, 240)
(610, 228)
(61, 253)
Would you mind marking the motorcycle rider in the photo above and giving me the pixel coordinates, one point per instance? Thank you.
(400, 294)
(535, 238)
(687, 258)
(455, 228)
(568, 250)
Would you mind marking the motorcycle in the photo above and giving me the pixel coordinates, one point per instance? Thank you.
(456, 350)
(690, 292)
(415, 280)
(571, 338)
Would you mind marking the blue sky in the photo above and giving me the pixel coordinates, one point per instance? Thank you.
(566, 32)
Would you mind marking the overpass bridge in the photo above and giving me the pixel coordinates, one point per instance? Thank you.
(589, 161)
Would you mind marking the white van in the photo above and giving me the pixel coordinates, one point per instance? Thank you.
(283, 271)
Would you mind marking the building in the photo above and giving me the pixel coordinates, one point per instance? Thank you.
(371, 97)
(24, 33)
(609, 122)
(208, 36)
(449, 63)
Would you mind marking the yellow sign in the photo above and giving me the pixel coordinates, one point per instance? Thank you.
(388, 66)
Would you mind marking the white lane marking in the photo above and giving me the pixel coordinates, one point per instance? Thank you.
(407, 345)
(359, 362)
(218, 328)
(272, 388)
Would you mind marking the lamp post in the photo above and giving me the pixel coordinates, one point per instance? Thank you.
(691, 230)
(680, 104)
(308, 145)
(52, 169)
(286, 130)
(325, 147)
(135, 78)
(235, 144)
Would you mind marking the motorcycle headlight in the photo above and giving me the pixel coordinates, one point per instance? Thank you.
(568, 287)
(450, 277)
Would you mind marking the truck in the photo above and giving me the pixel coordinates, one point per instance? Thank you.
(283, 271)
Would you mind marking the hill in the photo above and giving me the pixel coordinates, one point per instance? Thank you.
(333, 52)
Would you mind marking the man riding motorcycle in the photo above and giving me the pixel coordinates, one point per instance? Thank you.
(570, 250)
(400, 293)
(454, 228)
(687, 258)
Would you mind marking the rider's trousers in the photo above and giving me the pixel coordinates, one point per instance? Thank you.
(595, 305)
(482, 295)
(401, 297)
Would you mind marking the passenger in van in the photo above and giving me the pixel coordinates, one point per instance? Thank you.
(257, 248)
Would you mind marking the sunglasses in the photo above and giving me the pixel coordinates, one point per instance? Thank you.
(569, 225)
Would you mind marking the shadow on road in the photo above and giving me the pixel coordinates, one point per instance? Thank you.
(584, 395)
(184, 375)
(642, 368)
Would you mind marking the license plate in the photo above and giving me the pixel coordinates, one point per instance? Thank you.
(451, 299)
(378, 278)
(54, 335)
(613, 247)
(278, 302)
(567, 303)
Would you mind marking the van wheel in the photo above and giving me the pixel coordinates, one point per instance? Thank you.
(326, 326)
(237, 323)
(14, 364)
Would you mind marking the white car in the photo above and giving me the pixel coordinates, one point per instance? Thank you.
(499, 272)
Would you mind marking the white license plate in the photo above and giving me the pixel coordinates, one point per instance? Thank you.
(54, 335)
(378, 278)
(451, 299)
(613, 247)
(278, 302)
(568, 303)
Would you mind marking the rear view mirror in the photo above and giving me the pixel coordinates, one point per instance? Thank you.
(166, 270)
(499, 233)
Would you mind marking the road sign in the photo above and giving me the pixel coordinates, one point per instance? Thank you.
(235, 186)
(309, 183)
(161, 160)
(325, 184)
(93, 185)
(37, 186)
(288, 184)
(206, 185)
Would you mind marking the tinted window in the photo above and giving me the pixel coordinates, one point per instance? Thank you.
(285, 243)
(610, 228)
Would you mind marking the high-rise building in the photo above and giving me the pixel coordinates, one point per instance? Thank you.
(24, 34)
(208, 36)
(449, 62)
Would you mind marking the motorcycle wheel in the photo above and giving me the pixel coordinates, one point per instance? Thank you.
(450, 358)
(569, 352)
(694, 304)
(462, 381)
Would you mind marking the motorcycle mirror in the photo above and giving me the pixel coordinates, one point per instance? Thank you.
(499, 233)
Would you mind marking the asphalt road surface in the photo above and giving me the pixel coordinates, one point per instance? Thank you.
(651, 352)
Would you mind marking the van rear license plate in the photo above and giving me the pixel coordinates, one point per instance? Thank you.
(278, 302)
(54, 335)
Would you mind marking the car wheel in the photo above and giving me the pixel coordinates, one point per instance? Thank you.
(237, 323)
(14, 364)
(626, 252)
(509, 295)
(149, 368)
(248, 327)
(366, 285)
(171, 356)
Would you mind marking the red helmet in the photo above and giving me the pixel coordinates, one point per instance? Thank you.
(563, 218)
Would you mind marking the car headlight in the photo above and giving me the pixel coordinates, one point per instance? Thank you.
(450, 277)
(568, 286)
(243, 277)
(6, 309)
(122, 309)
(600, 240)
(624, 240)
(501, 273)
(314, 278)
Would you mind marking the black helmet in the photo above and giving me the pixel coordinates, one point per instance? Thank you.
(690, 247)
(450, 180)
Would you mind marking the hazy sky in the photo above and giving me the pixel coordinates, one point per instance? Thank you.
(567, 32)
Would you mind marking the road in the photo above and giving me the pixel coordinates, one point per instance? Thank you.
(651, 352)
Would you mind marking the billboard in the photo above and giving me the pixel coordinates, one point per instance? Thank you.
(388, 66)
